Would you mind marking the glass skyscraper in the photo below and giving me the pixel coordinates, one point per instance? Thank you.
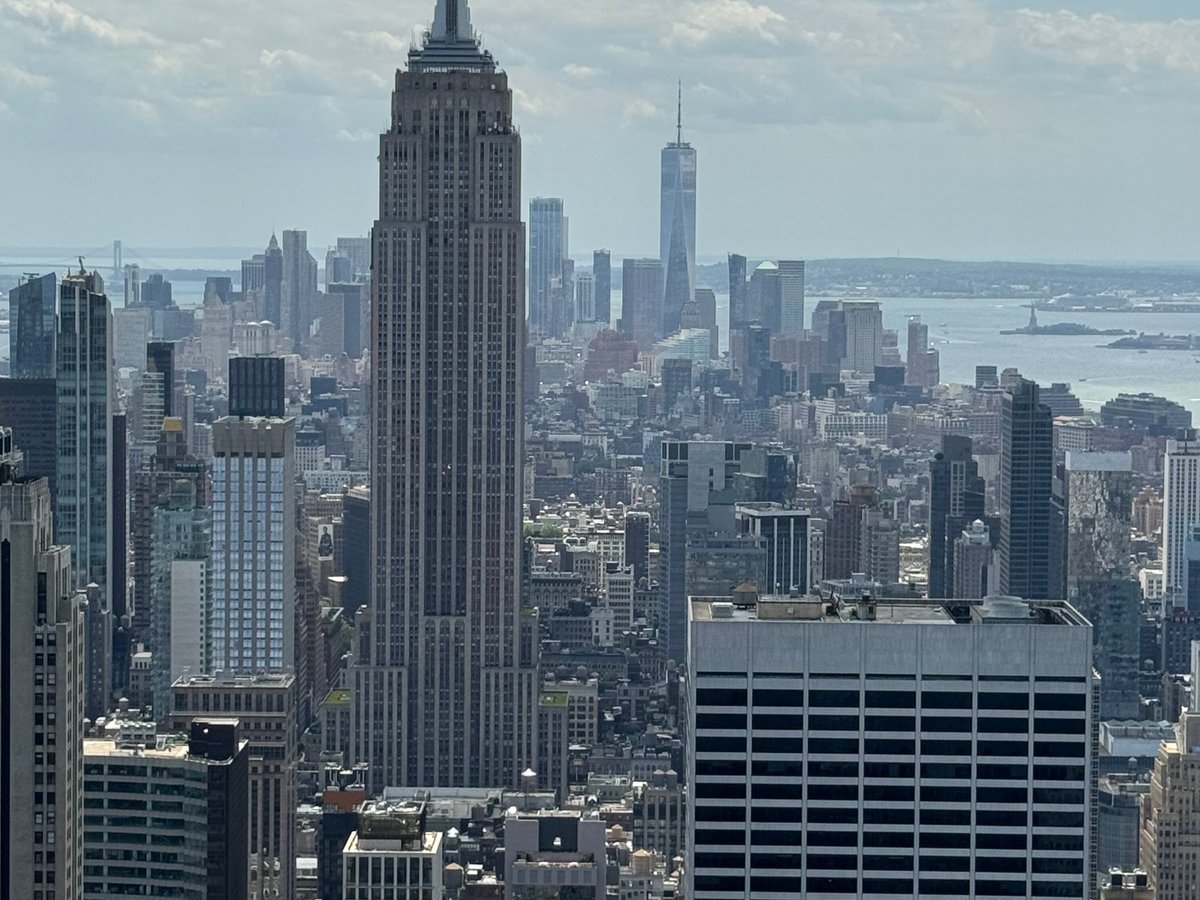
(31, 339)
(251, 623)
(677, 228)
(83, 491)
(547, 251)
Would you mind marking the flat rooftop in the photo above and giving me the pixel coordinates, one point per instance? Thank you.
(176, 747)
(813, 609)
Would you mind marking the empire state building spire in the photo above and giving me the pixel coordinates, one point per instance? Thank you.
(452, 22)
(450, 44)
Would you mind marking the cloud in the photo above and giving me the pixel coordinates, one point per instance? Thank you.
(306, 85)
(704, 21)
(574, 70)
(16, 78)
(637, 110)
(67, 19)
(1103, 41)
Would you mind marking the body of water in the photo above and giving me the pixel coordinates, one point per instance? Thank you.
(966, 334)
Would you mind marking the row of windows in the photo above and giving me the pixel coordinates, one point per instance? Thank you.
(902, 862)
(889, 699)
(712, 829)
(925, 887)
(929, 723)
(852, 746)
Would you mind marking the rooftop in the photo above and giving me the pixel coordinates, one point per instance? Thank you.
(812, 609)
(225, 679)
(168, 746)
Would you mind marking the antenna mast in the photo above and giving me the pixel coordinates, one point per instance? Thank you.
(679, 115)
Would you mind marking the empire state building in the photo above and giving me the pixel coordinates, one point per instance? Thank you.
(445, 675)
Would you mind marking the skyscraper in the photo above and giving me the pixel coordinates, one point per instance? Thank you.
(41, 696)
(84, 495)
(697, 510)
(918, 350)
(156, 292)
(29, 407)
(835, 752)
(251, 625)
(547, 251)
(31, 335)
(160, 360)
(602, 274)
(956, 500)
(1026, 475)
(298, 287)
(677, 226)
(864, 335)
(641, 300)
(272, 287)
(133, 285)
(256, 386)
(445, 687)
(1181, 510)
(202, 845)
(738, 314)
(1170, 826)
(791, 297)
(585, 297)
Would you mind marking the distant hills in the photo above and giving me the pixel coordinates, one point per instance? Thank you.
(898, 277)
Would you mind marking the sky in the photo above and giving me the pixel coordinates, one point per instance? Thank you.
(957, 129)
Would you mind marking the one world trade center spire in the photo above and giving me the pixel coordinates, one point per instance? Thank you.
(677, 225)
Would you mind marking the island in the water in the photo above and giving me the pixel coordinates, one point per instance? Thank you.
(1069, 329)
(1145, 342)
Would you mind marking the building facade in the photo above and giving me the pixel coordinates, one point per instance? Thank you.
(547, 252)
(1181, 510)
(83, 495)
(446, 679)
(391, 856)
(1026, 475)
(956, 500)
(32, 327)
(677, 228)
(252, 620)
(602, 278)
(265, 707)
(41, 696)
(865, 748)
(641, 301)
(169, 819)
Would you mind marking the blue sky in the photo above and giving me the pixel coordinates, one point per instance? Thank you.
(949, 128)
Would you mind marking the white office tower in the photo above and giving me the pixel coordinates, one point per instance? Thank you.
(251, 624)
(41, 694)
(889, 749)
(1181, 510)
(391, 855)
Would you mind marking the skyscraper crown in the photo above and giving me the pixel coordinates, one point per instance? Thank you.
(450, 44)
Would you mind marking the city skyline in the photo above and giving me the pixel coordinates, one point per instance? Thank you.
(954, 131)
(363, 583)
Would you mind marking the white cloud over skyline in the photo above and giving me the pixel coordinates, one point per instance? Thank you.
(953, 128)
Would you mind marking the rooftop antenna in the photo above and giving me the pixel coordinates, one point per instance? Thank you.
(679, 115)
